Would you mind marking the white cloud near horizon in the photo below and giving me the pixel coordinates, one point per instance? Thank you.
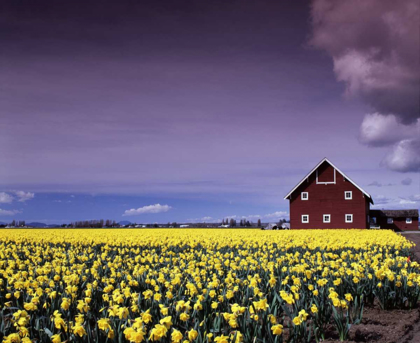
(5, 198)
(406, 202)
(400, 202)
(278, 214)
(8, 212)
(156, 208)
(24, 196)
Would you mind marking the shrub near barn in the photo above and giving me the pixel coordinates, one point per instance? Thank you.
(197, 285)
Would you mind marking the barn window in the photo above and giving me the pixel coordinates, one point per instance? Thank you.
(373, 220)
(305, 218)
(348, 195)
(408, 220)
(390, 221)
(304, 195)
(349, 218)
(327, 218)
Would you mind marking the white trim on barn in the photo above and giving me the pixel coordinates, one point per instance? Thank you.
(344, 175)
(350, 197)
(325, 183)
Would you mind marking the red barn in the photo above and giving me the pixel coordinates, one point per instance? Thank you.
(326, 198)
(397, 220)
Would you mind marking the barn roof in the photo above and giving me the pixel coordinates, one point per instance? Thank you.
(395, 213)
(316, 167)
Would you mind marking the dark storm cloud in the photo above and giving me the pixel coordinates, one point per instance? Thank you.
(375, 48)
(407, 181)
(375, 184)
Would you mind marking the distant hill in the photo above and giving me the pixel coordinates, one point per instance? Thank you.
(36, 224)
(124, 222)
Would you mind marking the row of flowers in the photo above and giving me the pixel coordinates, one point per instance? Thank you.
(197, 286)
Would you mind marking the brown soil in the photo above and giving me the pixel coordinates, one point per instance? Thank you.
(384, 326)
(388, 326)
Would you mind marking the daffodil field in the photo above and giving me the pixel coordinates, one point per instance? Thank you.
(197, 285)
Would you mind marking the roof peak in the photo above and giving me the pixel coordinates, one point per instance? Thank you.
(325, 159)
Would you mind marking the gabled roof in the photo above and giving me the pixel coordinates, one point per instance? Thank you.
(332, 165)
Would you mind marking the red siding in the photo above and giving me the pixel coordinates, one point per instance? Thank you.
(399, 224)
(328, 199)
(325, 174)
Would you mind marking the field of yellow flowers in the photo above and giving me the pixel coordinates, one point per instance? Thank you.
(197, 285)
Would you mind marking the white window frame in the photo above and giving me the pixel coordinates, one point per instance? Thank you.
(390, 220)
(303, 221)
(348, 221)
(345, 195)
(409, 220)
(329, 218)
(307, 196)
(325, 183)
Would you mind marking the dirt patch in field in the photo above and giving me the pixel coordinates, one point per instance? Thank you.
(388, 326)
(384, 326)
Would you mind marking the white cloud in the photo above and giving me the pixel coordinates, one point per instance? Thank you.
(412, 199)
(415, 197)
(8, 212)
(400, 202)
(277, 215)
(251, 216)
(383, 130)
(24, 196)
(404, 156)
(5, 198)
(207, 219)
(381, 200)
(157, 208)
(405, 202)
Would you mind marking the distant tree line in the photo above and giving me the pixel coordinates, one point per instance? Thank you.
(101, 223)
(15, 223)
(93, 223)
(233, 223)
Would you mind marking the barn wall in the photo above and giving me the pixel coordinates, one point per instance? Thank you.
(398, 225)
(328, 199)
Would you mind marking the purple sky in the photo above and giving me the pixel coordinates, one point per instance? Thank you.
(214, 108)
